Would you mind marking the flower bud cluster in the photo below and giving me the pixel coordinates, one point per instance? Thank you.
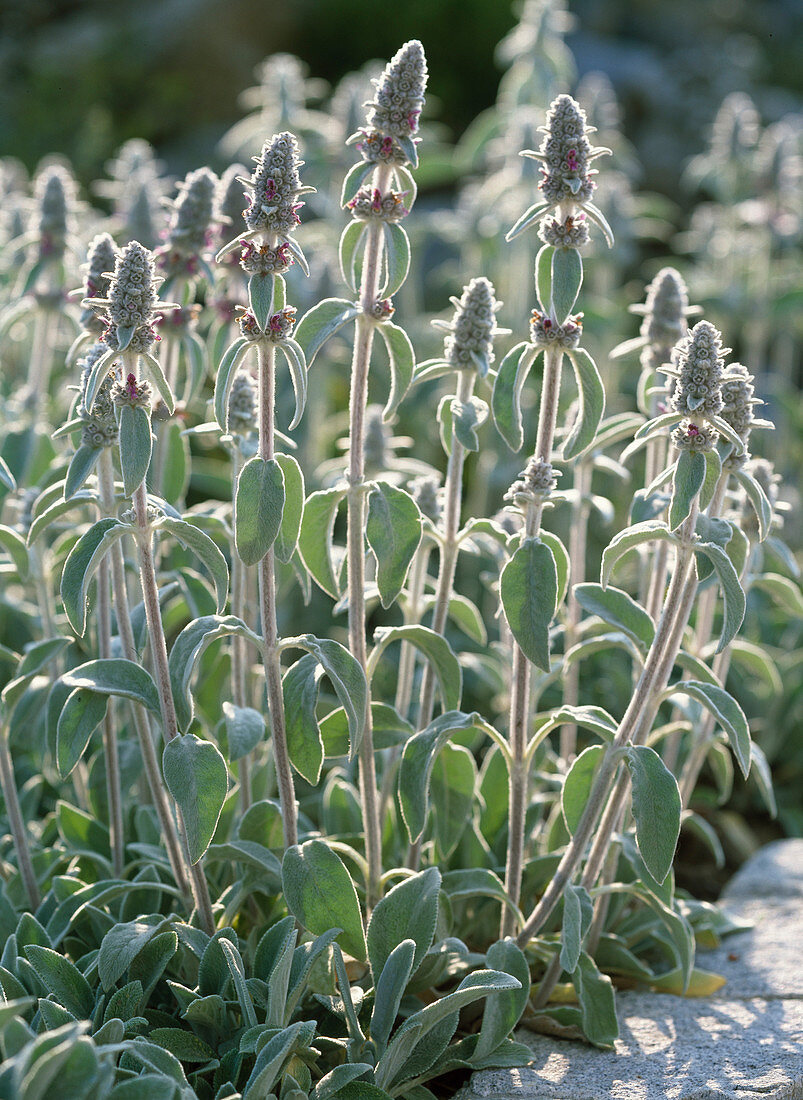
(188, 229)
(275, 186)
(280, 325)
(536, 481)
(571, 233)
(378, 148)
(264, 260)
(371, 203)
(101, 258)
(132, 297)
(100, 426)
(544, 333)
(242, 404)
(427, 494)
(396, 106)
(54, 196)
(132, 391)
(382, 309)
(471, 333)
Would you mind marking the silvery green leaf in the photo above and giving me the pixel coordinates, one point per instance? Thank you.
(402, 364)
(577, 785)
(260, 299)
(618, 609)
(197, 778)
(397, 258)
(136, 444)
(187, 649)
(82, 564)
(225, 376)
(578, 911)
(566, 280)
(508, 386)
(435, 649)
(82, 464)
(293, 510)
(529, 590)
(114, 676)
(592, 404)
(688, 480)
(321, 895)
(727, 713)
(732, 591)
(321, 322)
(258, 508)
(595, 994)
(656, 808)
(393, 530)
(349, 251)
(315, 538)
(81, 714)
(637, 535)
(304, 742)
(207, 552)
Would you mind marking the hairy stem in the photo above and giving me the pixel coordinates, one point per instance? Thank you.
(647, 689)
(178, 863)
(355, 537)
(448, 548)
(578, 538)
(267, 604)
(520, 696)
(239, 663)
(17, 824)
(158, 646)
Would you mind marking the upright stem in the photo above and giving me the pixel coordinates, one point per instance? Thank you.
(650, 684)
(45, 326)
(110, 754)
(158, 646)
(239, 685)
(448, 548)
(355, 537)
(520, 708)
(577, 565)
(17, 824)
(267, 602)
(178, 863)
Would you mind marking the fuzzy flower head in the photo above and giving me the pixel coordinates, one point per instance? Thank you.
(469, 337)
(537, 481)
(738, 405)
(369, 202)
(567, 187)
(188, 228)
(54, 199)
(697, 366)
(100, 426)
(427, 493)
(242, 404)
(396, 106)
(275, 187)
(101, 258)
(132, 391)
(665, 310)
(544, 333)
(229, 204)
(131, 301)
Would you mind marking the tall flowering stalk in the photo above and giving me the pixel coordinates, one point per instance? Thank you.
(376, 246)
(129, 313)
(697, 403)
(269, 485)
(529, 582)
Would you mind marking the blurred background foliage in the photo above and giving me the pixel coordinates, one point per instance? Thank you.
(708, 177)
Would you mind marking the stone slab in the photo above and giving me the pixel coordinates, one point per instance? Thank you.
(775, 872)
(671, 1048)
(744, 1043)
(765, 961)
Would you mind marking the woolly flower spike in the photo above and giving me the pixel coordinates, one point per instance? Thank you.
(229, 203)
(738, 403)
(275, 186)
(188, 228)
(665, 310)
(100, 426)
(242, 404)
(101, 258)
(54, 195)
(469, 340)
(567, 188)
(698, 362)
(130, 305)
(536, 481)
(396, 107)
(427, 494)
(376, 446)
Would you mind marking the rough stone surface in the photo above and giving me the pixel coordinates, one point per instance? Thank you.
(774, 872)
(744, 1043)
(668, 1047)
